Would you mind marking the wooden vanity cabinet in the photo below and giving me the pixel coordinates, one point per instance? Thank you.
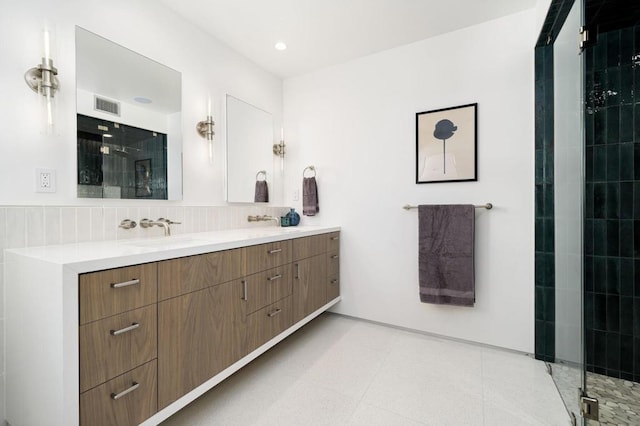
(118, 345)
(149, 334)
(199, 334)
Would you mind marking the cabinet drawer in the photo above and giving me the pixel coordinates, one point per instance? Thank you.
(333, 288)
(268, 322)
(267, 256)
(333, 264)
(266, 288)
(333, 242)
(309, 246)
(111, 346)
(187, 274)
(113, 291)
(110, 404)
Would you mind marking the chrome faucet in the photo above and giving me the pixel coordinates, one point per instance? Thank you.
(162, 222)
(263, 218)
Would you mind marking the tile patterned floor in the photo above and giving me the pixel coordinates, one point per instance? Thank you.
(342, 371)
(619, 400)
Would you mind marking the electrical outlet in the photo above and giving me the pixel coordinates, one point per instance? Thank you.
(45, 180)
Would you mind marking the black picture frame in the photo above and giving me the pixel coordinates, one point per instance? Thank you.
(447, 145)
(143, 178)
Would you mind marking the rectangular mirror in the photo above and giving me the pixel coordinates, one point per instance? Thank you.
(129, 135)
(249, 149)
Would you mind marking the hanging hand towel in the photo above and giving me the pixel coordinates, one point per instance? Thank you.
(446, 238)
(310, 196)
(262, 192)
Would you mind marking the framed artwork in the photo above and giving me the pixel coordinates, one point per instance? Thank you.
(143, 178)
(446, 145)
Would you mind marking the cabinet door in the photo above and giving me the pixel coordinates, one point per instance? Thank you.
(114, 345)
(268, 322)
(309, 246)
(333, 275)
(309, 286)
(267, 256)
(113, 291)
(127, 400)
(266, 287)
(199, 335)
(187, 274)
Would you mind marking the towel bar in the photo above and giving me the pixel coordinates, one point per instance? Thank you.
(487, 206)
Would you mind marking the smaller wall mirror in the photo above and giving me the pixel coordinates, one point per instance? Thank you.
(249, 149)
(129, 135)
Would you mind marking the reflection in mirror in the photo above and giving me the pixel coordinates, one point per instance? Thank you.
(249, 150)
(129, 123)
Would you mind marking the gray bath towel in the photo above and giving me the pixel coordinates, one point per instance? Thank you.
(262, 192)
(446, 235)
(310, 204)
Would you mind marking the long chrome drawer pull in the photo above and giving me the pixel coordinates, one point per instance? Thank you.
(126, 283)
(335, 238)
(244, 290)
(297, 271)
(124, 330)
(274, 313)
(276, 277)
(335, 256)
(116, 396)
(334, 281)
(275, 251)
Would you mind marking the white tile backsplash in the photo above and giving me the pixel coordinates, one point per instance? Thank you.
(83, 224)
(15, 228)
(52, 225)
(67, 225)
(35, 226)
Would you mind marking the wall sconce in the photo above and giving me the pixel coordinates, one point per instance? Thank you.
(278, 149)
(205, 128)
(42, 79)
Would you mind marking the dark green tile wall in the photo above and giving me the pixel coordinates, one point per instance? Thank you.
(544, 206)
(612, 205)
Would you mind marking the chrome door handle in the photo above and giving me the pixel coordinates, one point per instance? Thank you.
(124, 330)
(276, 277)
(244, 290)
(126, 283)
(275, 251)
(117, 396)
(335, 256)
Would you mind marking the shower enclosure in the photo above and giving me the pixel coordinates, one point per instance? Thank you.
(588, 207)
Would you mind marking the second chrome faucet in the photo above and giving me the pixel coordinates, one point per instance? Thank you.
(162, 222)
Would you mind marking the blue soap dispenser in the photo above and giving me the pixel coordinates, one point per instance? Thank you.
(294, 218)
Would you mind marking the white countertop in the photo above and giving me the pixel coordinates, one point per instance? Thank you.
(93, 256)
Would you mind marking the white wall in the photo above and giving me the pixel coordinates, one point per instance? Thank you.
(356, 123)
(207, 66)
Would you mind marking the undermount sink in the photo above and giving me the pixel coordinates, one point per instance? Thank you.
(167, 242)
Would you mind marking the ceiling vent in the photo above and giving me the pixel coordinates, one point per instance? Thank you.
(105, 105)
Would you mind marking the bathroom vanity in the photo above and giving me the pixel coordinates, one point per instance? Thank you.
(130, 332)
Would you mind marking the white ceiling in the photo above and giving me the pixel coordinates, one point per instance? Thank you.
(320, 33)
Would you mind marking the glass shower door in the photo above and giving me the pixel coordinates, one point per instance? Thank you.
(569, 372)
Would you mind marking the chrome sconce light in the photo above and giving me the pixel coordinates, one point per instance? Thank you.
(205, 128)
(278, 149)
(42, 79)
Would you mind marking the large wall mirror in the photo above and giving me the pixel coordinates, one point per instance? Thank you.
(129, 119)
(249, 149)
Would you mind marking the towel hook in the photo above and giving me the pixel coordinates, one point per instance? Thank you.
(261, 172)
(312, 168)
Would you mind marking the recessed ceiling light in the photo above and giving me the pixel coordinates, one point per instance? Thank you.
(142, 100)
(280, 46)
